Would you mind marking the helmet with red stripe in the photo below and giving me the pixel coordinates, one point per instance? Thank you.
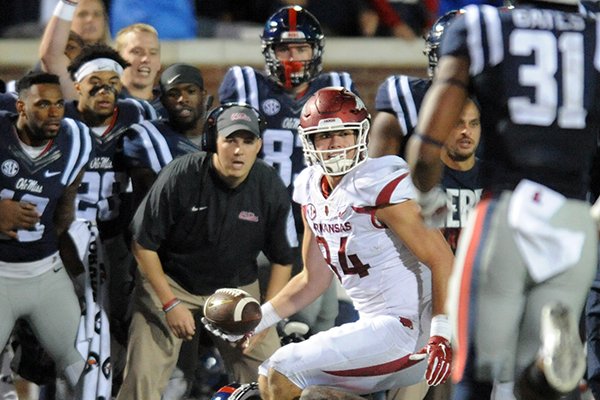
(292, 24)
(333, 109)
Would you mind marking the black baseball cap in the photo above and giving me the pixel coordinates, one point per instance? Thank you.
(180, 73)
(236, 118)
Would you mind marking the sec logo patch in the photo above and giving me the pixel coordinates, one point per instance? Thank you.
(271, 106)
(10, 168)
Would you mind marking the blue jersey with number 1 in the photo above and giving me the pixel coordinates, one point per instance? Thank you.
(40, 181)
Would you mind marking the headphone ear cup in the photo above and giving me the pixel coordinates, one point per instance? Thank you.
(209, 136)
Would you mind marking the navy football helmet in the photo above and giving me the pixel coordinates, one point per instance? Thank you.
(292, 24)
(433, 39)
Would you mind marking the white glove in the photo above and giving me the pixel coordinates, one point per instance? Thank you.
(434, 206)
(225, 336)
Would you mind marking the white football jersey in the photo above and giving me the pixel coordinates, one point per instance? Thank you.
(377, 270)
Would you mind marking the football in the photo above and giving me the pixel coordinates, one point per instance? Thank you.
(233, 311)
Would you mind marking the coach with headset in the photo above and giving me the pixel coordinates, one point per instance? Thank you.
(200, 228)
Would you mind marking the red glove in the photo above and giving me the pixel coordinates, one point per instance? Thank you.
(439, 353)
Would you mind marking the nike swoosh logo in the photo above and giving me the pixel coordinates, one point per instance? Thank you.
(173, 79)
(48, 174)
(194, 209)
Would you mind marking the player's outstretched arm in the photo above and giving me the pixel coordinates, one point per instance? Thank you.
(309, 284)
(279, 277)
(303, 288)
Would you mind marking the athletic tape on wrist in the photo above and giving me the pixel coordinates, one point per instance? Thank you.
(440, 326)
(65, 10)
(269, 317)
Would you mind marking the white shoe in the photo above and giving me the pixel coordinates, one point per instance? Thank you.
(562, 354)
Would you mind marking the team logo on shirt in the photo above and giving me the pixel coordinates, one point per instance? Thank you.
(248, 216)
(29, 185)
(271, 106)
(10, 168)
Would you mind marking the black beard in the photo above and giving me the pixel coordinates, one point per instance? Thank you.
(183, 126)
(459, 157)
(188, 124)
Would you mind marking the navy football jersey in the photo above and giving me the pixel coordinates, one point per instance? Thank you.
(105, 181)
(463, 189)
(154, 144)
(402, 96)
(40, 181)
(535, 73)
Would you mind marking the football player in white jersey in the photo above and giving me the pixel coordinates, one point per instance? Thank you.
(362, 225)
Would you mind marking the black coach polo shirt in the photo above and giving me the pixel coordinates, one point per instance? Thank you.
(208, 235)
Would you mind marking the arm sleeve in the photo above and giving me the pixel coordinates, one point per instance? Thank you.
(382, 98)
(227, 91)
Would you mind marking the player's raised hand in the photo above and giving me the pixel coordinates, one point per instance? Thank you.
(15, 215)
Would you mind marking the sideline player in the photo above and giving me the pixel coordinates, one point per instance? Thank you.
(42, 158)
(150, 145)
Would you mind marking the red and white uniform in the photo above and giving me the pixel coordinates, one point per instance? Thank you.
(390, 288)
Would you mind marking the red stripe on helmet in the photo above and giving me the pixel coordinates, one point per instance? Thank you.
(292, 18)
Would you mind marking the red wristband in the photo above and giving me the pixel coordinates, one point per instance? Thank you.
(169, 305)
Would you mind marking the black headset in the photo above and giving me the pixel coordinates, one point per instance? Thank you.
(209, 135)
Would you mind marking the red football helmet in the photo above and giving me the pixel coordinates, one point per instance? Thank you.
(334, 109)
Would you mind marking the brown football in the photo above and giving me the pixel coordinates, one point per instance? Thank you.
(233, 311)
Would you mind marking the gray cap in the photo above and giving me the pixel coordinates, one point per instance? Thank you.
(237, 118)
(180, 73)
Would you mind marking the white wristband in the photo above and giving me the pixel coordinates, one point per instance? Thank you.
(440, 326)
(269, 317)
(64, 10)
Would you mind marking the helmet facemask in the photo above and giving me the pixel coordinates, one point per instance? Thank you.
(344, 159)
(289, 25)
(290, 74)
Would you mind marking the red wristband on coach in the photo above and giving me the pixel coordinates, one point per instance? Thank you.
(169, 305)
